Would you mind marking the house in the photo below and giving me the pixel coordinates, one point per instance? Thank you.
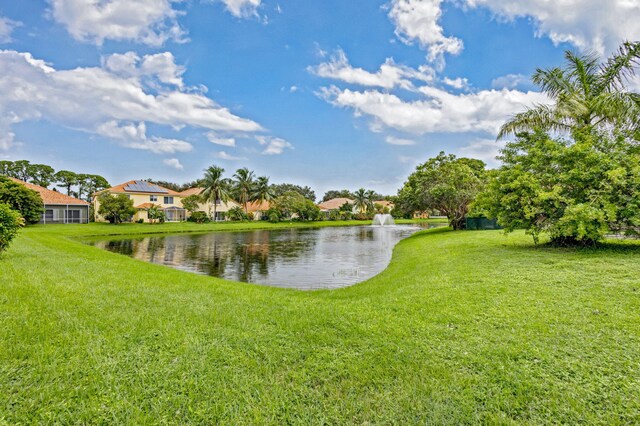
(221, 208)
(146, 195)
(59, 208)
(258, 209)
(387, 206)
(334, 204)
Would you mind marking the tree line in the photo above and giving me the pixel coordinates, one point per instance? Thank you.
(79, 185)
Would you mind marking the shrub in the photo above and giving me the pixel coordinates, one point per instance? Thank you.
(116, 208)
(199, 217)
(10, 222)
(25, 201)
(237, 214)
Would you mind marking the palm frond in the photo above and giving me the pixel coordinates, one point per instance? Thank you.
(620, 67)
(540, 117)
(552, 81)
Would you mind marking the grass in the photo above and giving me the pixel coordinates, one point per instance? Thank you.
(462, 327)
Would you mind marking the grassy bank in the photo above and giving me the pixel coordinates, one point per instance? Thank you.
(462, 327)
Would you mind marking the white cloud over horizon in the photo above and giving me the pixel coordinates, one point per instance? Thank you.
(174, 163)
(110, 101)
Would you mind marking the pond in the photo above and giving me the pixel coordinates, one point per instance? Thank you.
(301, 258)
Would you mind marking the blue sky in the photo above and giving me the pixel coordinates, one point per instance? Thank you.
(332, 94)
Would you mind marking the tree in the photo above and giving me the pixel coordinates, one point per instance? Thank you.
(576, 191)
(587, 95)
(10, 222)
(361, 200)
(214, 188)
(40, 174)
(263, 191)
(154, 213)
(191, 203)
(115, 208)
(334, 193)
(445, 183)
(281, 188)
(66, 179)
(22, 199)
(293, 202)
(244, 186)
(90, 184)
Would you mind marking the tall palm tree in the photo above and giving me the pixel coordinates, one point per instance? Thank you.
(262, 190)
(587, 94)
(371, 197)
(361, 200)
(214, 188)
(244, 186)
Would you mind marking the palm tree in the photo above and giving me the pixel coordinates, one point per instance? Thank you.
(214, 188)
(361, 200)
(244, 186)
(371, 197)
(263, 191)
(587, 94)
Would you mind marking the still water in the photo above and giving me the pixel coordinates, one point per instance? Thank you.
(304, 259)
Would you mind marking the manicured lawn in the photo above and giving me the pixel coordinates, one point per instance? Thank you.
(463, 327)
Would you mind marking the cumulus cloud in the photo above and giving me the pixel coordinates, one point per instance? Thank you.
(273, 146)
(214, 138)
(456, 83)
(102, 100)
(437, 110)
(587, 24)
(6, 28)
(151, 22)
(173, 162)
(419, 20)
(392, 140)
(389, 75)
(134, 136)
(509, 81)
(483, 149)
(223, 155)
(242, 8)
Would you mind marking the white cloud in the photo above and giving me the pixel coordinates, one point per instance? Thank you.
(98, 98)
(160, 66)
(6, 28)
(399, 141)
(483, 149)
(213, 138)
(225, 156)
(293, 89)
(151, 22)
(134, 136)
(456, 83)
(173, 162)
(242, 8)
(598, 25)
(419, 20)
(273, 146)
(388, 76)
(509, 81)
(438, 110)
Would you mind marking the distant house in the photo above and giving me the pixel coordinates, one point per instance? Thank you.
(335, 203)
(258, 208)
(222, 208)
(146, 195)
(59, 208)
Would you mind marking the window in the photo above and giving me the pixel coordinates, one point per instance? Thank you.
(72, 216)
(153, 198)
(168, 200)
(48, 215)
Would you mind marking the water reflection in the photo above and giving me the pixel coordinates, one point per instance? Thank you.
(296, 258)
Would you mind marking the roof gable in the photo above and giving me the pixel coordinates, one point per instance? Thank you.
(51, 197)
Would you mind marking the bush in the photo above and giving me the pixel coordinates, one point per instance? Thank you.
(198, 217)
(116, 208)
(10, 222)
(237, 214)
(25, 201)
(140, 221)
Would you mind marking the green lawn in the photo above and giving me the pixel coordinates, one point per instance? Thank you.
(462, 327)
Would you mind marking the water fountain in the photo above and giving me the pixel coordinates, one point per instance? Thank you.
(383, 220)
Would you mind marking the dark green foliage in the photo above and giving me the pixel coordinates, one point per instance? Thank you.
(295, 204)
(199, 217)
(191, 203)
(10, 222)
(576, 191)
(155, 213)
(22, 199)
(66, 179)
(237, 214)
(282, 188)
(444, 183)
(334, 193)
(38, 174)
(115, 208)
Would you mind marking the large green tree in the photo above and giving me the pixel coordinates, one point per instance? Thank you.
(215, 188)
(66, 179)
(587, 95)
(444, 183)
(244, 186)
(115, 208)
(10, 222)
(293, 203)
(281, 188)
(22, 199)
(577, 191)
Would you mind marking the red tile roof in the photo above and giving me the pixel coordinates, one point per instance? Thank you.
(334, 203)
(256, 206)
(52, 197)
(120, 189)
(191, 191)
(145, 206)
